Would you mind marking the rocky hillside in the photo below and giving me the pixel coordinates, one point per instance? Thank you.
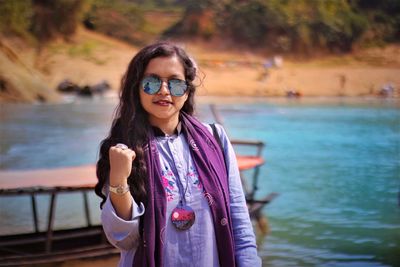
(88, 58)
(19, 80)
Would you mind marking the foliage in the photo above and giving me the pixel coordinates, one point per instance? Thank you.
(302, 26)
(44, 19)
(198, 20)
(54, 18)
(297, 26)
(121, 19)
(384, 18)
(246, 21)
(15, 17)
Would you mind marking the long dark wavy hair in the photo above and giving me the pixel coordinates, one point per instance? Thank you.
(130, 125)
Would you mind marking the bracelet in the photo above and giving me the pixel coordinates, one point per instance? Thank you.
(119, 189)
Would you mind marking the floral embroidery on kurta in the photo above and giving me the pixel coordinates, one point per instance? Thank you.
(168, 182)
(192, 176)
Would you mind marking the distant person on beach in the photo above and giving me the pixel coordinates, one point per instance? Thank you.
(274, 62)
(170, 185)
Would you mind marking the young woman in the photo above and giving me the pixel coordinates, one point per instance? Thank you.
(171, 195)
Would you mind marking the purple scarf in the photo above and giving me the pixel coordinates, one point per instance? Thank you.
(210, 165)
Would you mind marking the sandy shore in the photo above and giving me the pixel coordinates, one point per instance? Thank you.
(91, 58)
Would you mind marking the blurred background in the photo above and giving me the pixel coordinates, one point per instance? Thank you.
(317, 81)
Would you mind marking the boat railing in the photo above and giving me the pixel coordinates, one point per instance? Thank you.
(52, 245)
(253, 162)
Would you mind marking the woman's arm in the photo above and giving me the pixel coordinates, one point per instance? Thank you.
(245, 243)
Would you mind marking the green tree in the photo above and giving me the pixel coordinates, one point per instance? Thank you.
(16, 17)
(57, 18)
(121, 19)
(383, 17)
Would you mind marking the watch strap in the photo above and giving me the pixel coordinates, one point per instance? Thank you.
(119, 189)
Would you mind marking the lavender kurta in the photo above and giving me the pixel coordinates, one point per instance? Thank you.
(196, 246)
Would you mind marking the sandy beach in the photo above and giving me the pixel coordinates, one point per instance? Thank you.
(91, 58)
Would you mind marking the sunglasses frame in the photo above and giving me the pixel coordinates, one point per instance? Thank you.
(170, 87)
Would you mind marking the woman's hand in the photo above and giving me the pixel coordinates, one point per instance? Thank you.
(121, 158)
(120, 164)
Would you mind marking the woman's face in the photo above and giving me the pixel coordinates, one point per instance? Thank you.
(162, 107)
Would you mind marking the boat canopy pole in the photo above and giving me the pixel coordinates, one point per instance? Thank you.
(49, 239)
(34, 213)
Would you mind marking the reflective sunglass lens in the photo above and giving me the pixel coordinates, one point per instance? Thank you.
(177, 87)
(151, 85)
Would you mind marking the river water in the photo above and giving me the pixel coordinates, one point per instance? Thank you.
(334, 162)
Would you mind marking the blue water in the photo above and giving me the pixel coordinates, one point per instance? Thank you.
(335, 164)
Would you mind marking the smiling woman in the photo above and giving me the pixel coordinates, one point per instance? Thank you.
(163, 199)
(163, 107)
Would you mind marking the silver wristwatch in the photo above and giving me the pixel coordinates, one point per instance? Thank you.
(119, 189)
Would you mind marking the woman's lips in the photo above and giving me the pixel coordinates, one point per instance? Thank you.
(162, 102)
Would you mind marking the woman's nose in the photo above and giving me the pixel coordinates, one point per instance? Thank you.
(164, 90)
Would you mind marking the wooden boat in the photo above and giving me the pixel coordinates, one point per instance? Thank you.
(52, 245)
(247, 162)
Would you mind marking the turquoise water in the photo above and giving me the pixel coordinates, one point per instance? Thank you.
(337, 169)
(335, 164)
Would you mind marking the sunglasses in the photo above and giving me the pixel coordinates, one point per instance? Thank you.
(152, 85)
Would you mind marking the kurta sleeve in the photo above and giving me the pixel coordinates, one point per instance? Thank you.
(122, 234)
(245, 242)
